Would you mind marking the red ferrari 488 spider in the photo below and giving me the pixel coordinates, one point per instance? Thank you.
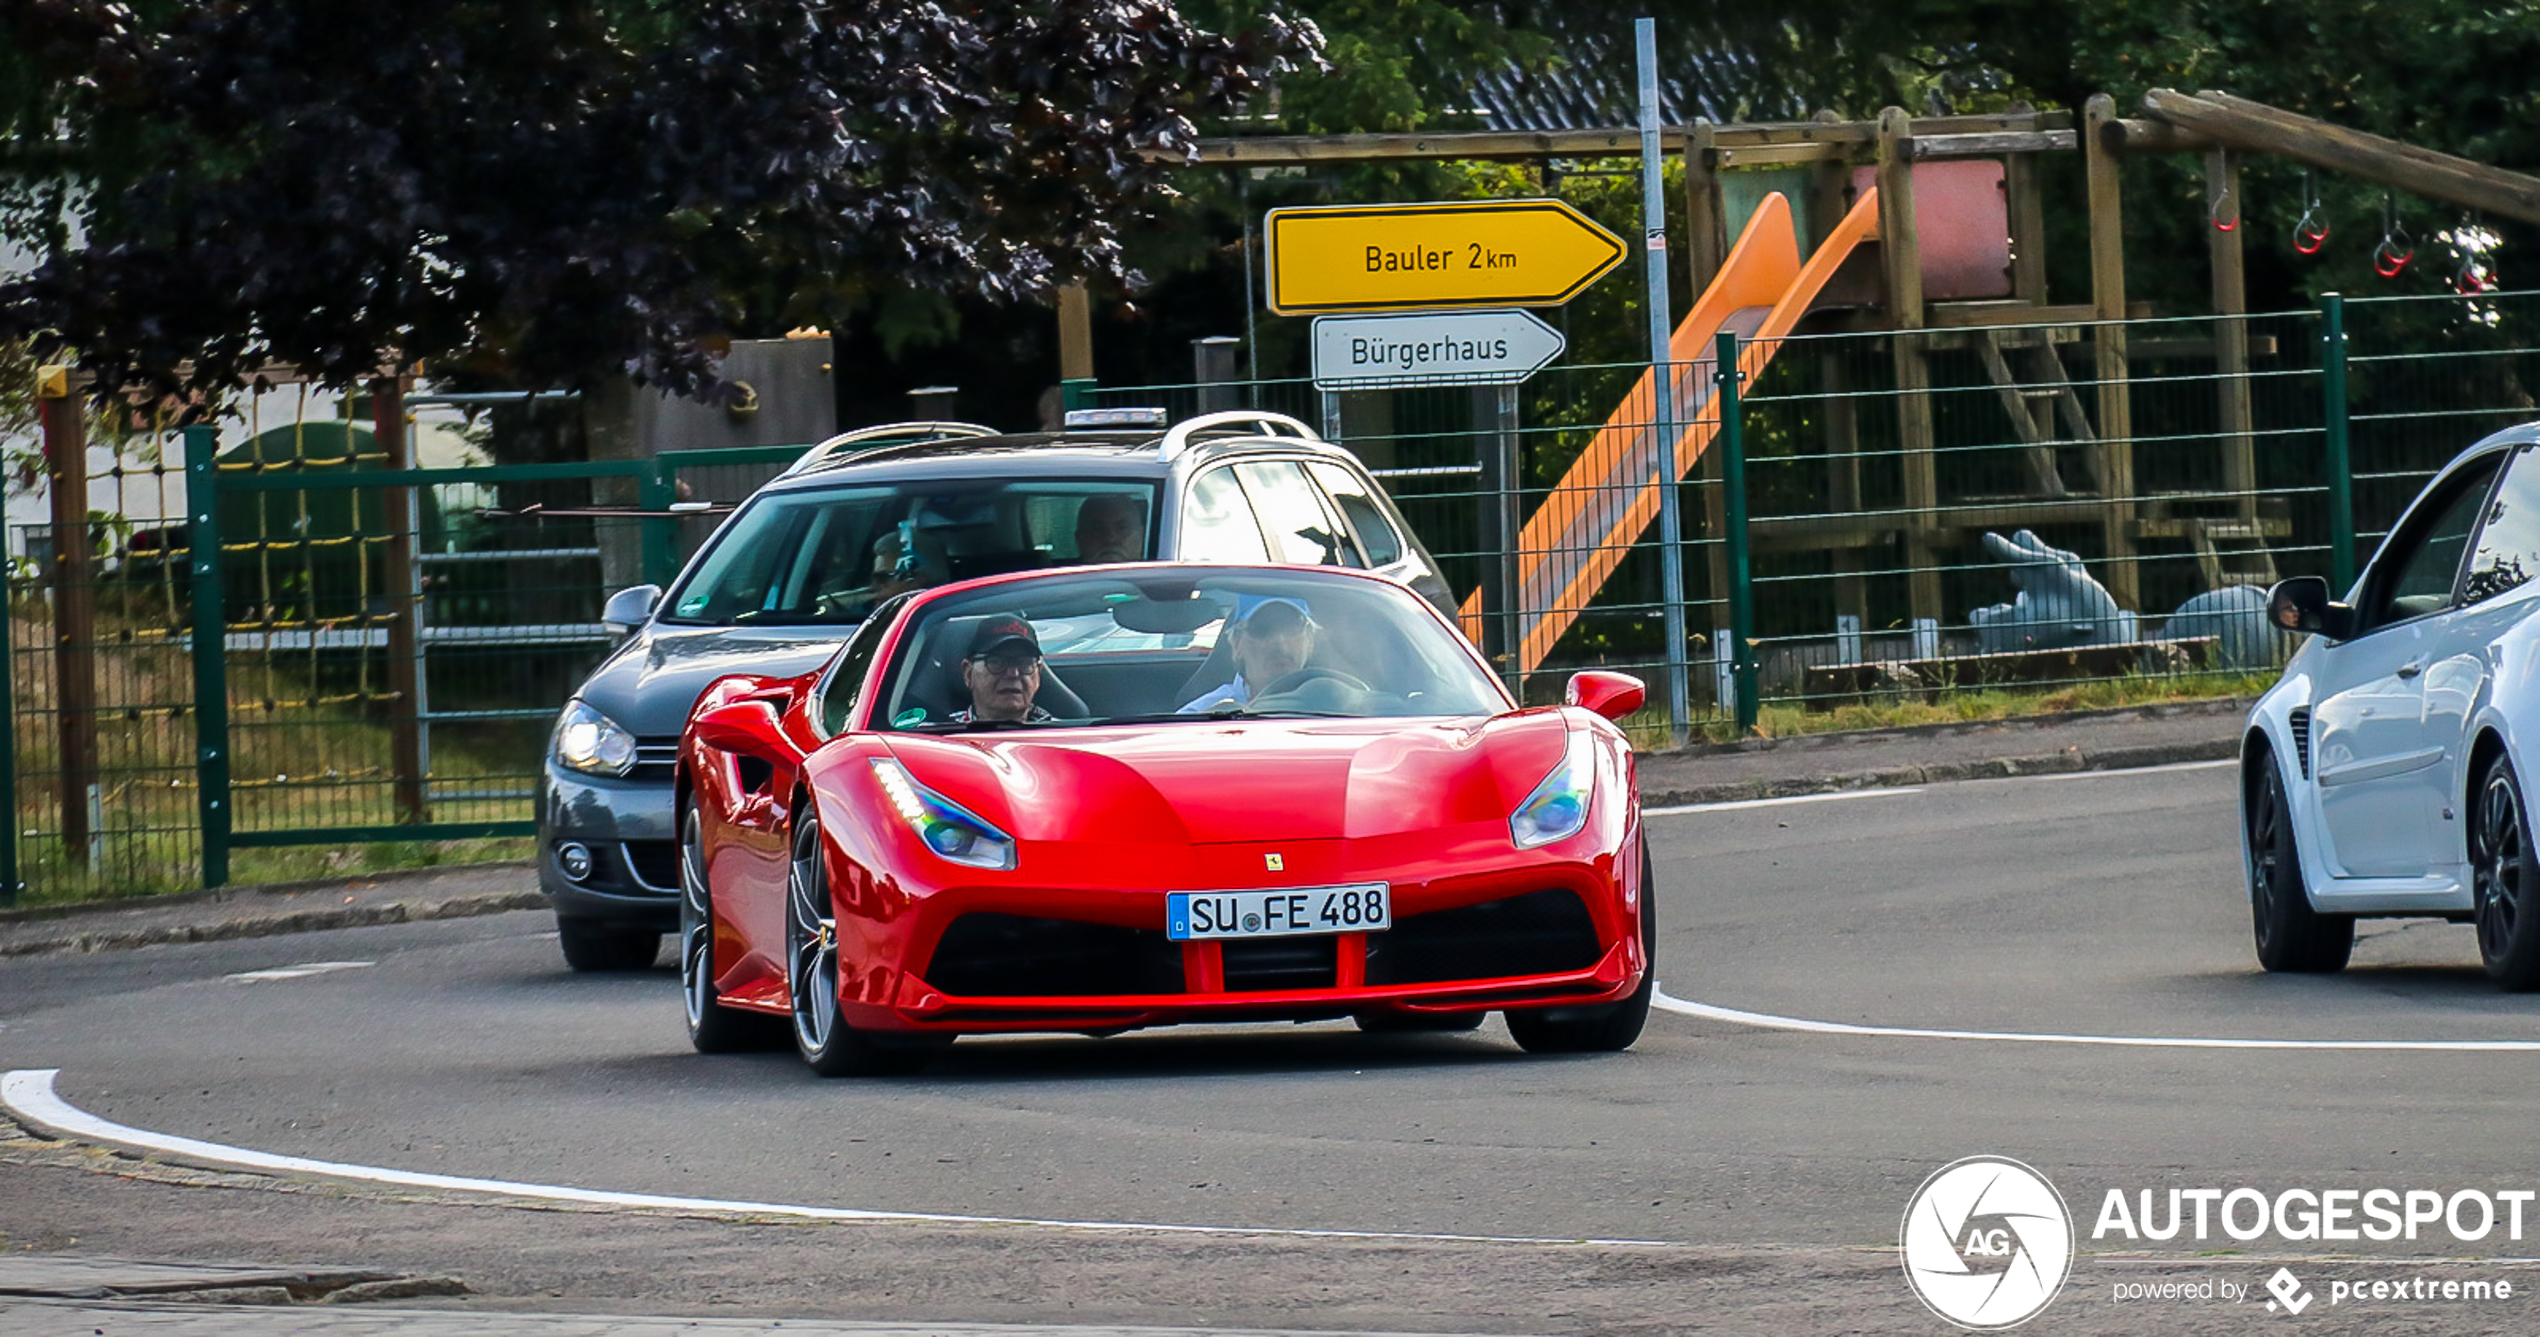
(1098, 799)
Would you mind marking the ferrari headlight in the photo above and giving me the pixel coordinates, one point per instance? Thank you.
(591, 742)
(1558, 808)
(950, 830)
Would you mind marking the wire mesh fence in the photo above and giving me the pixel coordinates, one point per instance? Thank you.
(364, 653)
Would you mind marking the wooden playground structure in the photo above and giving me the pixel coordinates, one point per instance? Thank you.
(1960, 266)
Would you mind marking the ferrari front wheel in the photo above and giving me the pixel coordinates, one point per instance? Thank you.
(712, 1027)
(1608, 1028)
(825, 1040)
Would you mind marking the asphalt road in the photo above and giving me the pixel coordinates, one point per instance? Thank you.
(1764, 1168)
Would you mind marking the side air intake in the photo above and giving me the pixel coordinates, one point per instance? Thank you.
(2300, 724)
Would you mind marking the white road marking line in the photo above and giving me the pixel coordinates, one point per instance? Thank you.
(28, 1093)
(296, 972)
(1779, 802)
(1768, 1021)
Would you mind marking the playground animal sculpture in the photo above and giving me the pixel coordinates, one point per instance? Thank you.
(2236, 617)
(2058, 603)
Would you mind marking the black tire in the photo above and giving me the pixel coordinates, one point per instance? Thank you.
(1419, 1023)
(2290, 936)
(595, 945)
(821, 1035)
(712, 1027)
(1608, 1028)
(2504, 883)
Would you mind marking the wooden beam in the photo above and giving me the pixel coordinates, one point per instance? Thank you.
(2255, 126)
(2131, 136)
(1706, 241)
(1992, 145)
(1900, 254)
(1787, 155)
(2223, 245)
(2115, 449)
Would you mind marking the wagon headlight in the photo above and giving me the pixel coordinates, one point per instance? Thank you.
(1558, 808)
(953, 832)
(591, 742)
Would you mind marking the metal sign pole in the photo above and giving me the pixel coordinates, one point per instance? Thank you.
(1653, 213)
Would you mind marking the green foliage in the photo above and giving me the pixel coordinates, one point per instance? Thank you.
(557, 193)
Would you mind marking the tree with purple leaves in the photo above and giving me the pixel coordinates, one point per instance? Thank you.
(552, 193)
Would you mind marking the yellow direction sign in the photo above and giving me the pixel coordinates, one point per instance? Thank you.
(1399, 257)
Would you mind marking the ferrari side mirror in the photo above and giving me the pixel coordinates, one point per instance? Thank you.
(2302, 604)
(1612, 695)
(744, 728)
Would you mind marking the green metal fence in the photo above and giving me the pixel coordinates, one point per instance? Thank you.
(299, 647)
(276, 651)
(1839, 510)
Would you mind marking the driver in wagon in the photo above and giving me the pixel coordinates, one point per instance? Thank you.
(1270, 642)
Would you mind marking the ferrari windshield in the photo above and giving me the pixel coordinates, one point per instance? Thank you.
(829, 555)
(1162, 645)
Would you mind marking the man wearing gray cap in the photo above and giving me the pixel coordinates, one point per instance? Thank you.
(1003, 672)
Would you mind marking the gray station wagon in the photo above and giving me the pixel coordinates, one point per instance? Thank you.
(803, 562)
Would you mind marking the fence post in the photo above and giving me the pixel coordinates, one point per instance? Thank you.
(10, 883)
(405, 604)
(1733, 504)
(655, 491)
(1662, 383)
(2341, 469)
(74, 618)
(211, 626)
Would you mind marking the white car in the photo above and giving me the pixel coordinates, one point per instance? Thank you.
(2382, 775)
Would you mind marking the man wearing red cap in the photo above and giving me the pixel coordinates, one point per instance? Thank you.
(1003, 672)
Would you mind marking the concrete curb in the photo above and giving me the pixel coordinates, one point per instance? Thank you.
(2065, 761)
(298, 921)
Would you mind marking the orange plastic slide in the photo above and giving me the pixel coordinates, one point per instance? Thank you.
(1576, 538)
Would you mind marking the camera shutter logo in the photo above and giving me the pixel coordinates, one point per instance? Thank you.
(1987, 1243)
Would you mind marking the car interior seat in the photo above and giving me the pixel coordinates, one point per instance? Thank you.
(936, 685)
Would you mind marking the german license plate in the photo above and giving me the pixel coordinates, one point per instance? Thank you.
(1355, 908)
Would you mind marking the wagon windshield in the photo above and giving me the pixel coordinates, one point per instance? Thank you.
(1187, 645)
(828, 555)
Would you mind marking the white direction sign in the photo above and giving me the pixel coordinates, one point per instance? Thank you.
(1431, 348)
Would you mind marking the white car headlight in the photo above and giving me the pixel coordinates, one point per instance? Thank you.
(953, 832)
(1558, 808)
(591, 742)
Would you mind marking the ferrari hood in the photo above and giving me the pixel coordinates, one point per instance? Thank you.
(1251, 780)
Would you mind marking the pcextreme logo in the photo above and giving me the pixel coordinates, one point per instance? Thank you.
(1987, 1243)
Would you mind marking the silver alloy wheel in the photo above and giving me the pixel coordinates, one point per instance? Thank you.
(811, 943)
(2496, 870)
(696, 921)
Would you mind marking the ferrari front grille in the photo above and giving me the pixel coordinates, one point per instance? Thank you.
(1539, 933)
(2299, 722)
(1256, 965)
(986, 955)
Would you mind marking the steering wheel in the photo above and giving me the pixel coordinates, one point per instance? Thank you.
(1311, 673)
